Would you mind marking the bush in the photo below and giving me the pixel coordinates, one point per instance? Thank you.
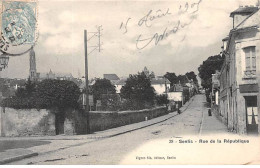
(110, 102)
(161, 100)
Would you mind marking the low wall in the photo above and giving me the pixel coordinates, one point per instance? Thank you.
(105, 120)
(27, 122)
(42, 122)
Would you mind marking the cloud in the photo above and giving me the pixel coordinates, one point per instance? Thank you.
(62, 24)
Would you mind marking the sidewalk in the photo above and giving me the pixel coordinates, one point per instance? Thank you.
(211, 125)
(61, 142)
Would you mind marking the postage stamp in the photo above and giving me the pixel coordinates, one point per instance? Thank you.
(18, 23)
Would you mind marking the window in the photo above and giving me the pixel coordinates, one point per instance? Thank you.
(250, 61)
(252, 114)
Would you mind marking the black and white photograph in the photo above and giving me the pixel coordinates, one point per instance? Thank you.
(121, 82)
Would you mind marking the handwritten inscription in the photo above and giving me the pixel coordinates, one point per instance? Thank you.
(124, 25)
(147, 19)
(142, 41)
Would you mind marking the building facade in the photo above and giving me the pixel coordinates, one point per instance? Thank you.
(238, 78)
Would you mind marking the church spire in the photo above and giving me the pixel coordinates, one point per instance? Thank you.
(33, 72)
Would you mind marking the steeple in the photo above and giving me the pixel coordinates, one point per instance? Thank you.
(33, 72)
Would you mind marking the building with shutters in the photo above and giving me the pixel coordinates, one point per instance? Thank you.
(238, 77)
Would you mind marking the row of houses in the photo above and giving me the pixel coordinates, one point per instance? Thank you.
(175, 93)
(236, 86)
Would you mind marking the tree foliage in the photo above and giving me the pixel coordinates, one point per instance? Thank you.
(171, 76)
(102, 86)
(27, 91)
(174, 79)
(47, 94)
(58, 93)
(192, 76)
(161, 99)
(138, 91)
(207, 68)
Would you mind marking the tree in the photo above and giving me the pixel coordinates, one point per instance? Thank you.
(148, 73)
(207, 68)
(58, 94)
(139, 91)
(162, 99)
(48, 94)
(171, 76)
(192, 76)
(27, 91)
(182, 79)
(102, 86)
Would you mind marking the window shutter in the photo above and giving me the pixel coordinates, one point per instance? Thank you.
(247, 54)
(253, 59)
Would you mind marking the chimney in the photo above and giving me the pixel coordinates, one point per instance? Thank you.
(225, 41)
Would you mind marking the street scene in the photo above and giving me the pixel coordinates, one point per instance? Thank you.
(129, 83)
(94, 149)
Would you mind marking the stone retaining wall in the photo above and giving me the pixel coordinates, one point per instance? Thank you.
(42, 122)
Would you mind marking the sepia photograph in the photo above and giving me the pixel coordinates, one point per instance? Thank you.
(121, 82)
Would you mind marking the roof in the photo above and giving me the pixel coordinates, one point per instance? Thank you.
(121, 81)
(111, 76)
(154, 81)
(159, 81)
(244, 10)
(225, 39)
(62, 75)
(55, 75)
(251, 21)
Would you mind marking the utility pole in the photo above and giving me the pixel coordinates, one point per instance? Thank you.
(166, 92)
(99, 34)
(86, 79)
(258, 83)
(98, 46)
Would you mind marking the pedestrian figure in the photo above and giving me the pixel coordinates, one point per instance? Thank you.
(178, 110)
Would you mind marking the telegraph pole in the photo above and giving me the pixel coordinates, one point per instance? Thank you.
(95, 47)
(99, 34)
(258, 83)
(86, 79)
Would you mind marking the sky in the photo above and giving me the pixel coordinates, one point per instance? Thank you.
(185, 34)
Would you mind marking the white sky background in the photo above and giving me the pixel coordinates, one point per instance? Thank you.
(60, 46)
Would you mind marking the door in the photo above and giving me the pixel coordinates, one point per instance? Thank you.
(59, 123)
(252, 115)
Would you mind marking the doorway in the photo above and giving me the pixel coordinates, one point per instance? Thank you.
(251, 115)
(59, 123)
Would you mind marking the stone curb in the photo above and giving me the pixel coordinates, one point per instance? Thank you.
(16, 157)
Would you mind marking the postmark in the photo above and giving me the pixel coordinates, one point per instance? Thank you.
(18, 26)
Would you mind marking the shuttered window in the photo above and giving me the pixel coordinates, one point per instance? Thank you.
(250, 60)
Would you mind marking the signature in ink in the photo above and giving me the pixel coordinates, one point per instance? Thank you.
(148, 18)
(159, 37)
(197, 5)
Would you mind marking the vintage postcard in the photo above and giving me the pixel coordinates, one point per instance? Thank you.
(129, 82)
